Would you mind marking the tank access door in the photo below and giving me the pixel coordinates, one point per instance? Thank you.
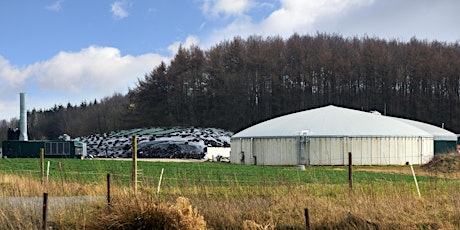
(304, 148)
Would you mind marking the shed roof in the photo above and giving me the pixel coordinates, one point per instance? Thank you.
(333, 121)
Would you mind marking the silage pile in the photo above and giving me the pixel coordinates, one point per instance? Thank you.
(444, 163)
(154, 142)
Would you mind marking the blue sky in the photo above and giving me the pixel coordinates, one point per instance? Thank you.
(61, 51)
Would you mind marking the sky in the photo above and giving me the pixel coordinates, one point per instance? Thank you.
(71, 51)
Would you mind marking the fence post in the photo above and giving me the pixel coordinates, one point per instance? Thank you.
(45, 209)
(42, 165)
(108, 189)
(350, 172)
(47, 171)
(307, 219)
(415, 179)
(159, 182)
(134, 172)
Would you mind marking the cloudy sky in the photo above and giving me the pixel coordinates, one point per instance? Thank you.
(61, 51)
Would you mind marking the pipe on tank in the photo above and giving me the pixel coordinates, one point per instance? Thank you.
(22, 117)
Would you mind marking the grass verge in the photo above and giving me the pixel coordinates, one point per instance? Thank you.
(223, 196)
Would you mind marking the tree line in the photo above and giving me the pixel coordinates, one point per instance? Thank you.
(241, 82)
(84, 119)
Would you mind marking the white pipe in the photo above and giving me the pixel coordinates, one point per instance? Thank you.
(22, 117)
(415, 179)
(252, 152)
(159, 182)
(47, 171)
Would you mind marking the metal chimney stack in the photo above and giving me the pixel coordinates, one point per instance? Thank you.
(22, 117)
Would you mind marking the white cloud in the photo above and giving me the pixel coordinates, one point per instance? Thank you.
(9, 108)
(189, 41)
(300, 16)
(118, 9)
(11, 76)
(95, 69)
(387, 19)
(92, 73)
(56, 6)
(226, 7)
(401, 20)
(293, 16)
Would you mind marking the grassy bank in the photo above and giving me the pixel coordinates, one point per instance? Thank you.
(218, 196)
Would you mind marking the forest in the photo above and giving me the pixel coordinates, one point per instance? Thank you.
(241, 82)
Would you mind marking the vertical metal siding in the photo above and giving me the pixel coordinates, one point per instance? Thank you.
(337, 151)
(280, 151)
(356, 151)
(428, 152)
(375, 151)
(333, 150)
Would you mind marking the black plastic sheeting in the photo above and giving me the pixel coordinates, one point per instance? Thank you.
(176, 142)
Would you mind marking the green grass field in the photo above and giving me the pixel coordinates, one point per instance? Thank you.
(229, 196)
(197, 174)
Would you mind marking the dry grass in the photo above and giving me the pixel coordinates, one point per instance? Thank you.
(142, 212)
(13, 185)
(333, 207)
(444, 165)
(379, 205)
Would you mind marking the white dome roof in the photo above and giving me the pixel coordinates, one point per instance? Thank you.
(439, 134)
(333, 121)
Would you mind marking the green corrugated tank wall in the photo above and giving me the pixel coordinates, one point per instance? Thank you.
(441, 147)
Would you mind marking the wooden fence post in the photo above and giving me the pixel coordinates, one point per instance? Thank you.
(350, 171)
(45, 210)
(134, 172)
(42, 165)
(108, 189)
(307, 219)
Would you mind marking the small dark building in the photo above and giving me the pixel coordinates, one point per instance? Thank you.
(52, 148)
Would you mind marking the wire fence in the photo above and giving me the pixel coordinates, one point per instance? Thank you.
(218, 182)
(228, 175)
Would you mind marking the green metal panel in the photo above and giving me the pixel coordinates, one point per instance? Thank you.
(22, 149)
(441, 147)
(52, 149)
